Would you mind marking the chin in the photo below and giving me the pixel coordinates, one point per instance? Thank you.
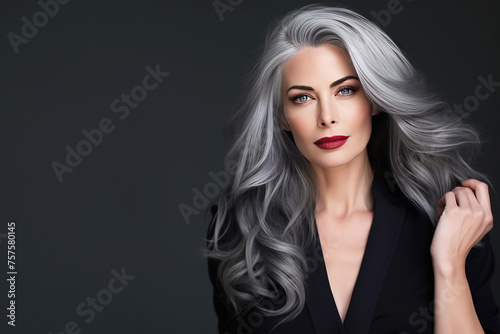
(331, 163)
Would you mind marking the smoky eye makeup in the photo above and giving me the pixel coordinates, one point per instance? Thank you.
(300, 98)
(346, 91)
(343, 91)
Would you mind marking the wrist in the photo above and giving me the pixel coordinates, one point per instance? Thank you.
(448, 267)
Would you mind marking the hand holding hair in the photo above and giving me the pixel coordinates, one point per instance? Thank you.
(465, 218)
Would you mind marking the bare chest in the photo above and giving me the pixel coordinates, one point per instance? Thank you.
(343, 244)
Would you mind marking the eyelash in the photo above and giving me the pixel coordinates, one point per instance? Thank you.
(297, 96)
(352, 89)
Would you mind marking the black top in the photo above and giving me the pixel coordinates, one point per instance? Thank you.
(394, 290)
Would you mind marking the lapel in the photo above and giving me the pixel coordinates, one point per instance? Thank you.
(388, 216)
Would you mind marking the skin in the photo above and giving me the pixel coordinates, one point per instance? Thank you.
(344, 211)
(466, 218)
(313, 108)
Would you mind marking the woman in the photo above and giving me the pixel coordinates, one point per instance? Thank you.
(352, 207)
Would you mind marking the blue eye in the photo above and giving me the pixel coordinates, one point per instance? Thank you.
(300, 98)
(346, 91)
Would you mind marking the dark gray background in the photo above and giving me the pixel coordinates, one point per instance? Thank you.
(119, 207)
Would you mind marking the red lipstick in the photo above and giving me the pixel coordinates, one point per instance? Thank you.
(328, 143)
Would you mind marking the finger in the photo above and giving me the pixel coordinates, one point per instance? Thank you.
(440, 205)
(440, 211)
(481, 191)
(465, 197)
(450, 201)
(483, 201)
(473, 203)
(475, 210)
(441, 202)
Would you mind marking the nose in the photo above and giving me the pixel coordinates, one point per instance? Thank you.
(327, 112)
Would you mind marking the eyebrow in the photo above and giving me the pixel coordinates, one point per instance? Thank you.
(335, 83)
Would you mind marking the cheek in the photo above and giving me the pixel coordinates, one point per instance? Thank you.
(299, 126)
(360, 121)
(359, 118)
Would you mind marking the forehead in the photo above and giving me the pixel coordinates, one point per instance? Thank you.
(314, 63)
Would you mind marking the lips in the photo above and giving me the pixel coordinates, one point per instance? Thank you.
(329, 143)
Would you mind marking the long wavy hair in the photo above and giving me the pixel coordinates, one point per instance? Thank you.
(265, 216)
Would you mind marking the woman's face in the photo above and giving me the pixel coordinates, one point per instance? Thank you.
(322, 98)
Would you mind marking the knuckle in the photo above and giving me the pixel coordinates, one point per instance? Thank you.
(482, 184)
(489, 218)
(479, 214)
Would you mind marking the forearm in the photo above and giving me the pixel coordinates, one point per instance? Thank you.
(454, 308)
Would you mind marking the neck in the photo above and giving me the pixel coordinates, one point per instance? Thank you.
(345, 189)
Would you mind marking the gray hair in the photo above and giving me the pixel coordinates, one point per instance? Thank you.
(265, 218)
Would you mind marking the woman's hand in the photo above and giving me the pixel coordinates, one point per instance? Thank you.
(465, 217)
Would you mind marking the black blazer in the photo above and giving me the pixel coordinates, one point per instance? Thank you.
(394, 291)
